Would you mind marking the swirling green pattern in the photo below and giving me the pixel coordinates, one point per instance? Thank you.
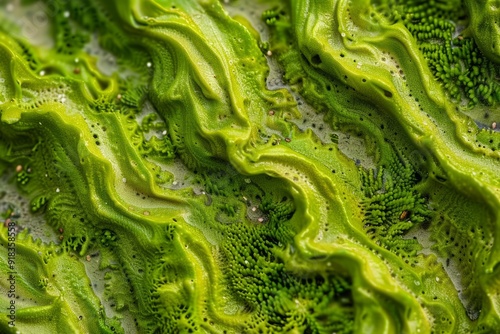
(243, 167)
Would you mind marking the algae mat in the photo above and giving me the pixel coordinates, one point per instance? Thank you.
(249, 167)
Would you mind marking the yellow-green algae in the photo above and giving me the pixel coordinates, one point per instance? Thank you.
(146, 136)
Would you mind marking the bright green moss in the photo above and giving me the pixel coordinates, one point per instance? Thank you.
(279, 299)
(293, 166)
(452, 36)
(393, 206)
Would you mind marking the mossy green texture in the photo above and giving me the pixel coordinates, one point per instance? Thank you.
(459, 42)
(189, 196)
(485, 27)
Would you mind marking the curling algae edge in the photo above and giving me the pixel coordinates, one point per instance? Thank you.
(180, 191)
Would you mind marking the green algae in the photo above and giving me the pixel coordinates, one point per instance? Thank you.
(250, 167)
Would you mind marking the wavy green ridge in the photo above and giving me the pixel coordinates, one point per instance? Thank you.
(190, 195)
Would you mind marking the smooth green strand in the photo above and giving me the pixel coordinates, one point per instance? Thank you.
(63, 298)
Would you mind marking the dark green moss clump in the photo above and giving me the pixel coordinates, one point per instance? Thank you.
(442, 32)
(279, 298)
(393, 206)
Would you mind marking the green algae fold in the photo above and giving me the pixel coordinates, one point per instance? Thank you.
(249, 167)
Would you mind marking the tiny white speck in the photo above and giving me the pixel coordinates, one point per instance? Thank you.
(164, 132)
(254, 209)
(417, 283)
(149, 64)
(342, 34)
(124, 180)
(174, 183)
(77, 60)
(437, 279)
(63, 100)
(42, 73)
(203, 192)
(244, 198)
(58, 190)
(269, 53)
(46, 175)
(66, 14)
(494, 125)
(260, 220)
(246, 261)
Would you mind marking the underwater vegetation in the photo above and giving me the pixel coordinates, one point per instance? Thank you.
(203, 166)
